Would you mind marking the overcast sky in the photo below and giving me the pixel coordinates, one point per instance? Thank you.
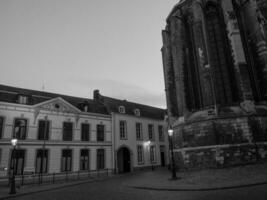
(75, 46)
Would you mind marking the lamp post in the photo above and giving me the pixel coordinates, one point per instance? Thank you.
(170, 133)
(14, 142)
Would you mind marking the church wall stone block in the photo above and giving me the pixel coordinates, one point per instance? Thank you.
(218, 53)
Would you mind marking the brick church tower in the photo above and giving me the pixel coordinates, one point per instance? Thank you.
(215, 69)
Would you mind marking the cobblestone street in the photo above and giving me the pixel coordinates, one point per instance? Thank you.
(207, 184)
(114, 189)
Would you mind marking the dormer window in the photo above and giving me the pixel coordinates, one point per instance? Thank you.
(137, 112)
(121, 109)
(85, 108)
(22, 99)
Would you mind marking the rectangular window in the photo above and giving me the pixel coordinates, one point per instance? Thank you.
(100, 132)
(67, 131)
(138, 128)
(41, 161)
(20, 129)
(17, 161)
(161, 135)
(84, 160)
(100, 158)
(43, 130)
(1, 126)
(150, 131)
(66, 160)
(140, 154)
(123, 129)
(85, 130)
(152, 154)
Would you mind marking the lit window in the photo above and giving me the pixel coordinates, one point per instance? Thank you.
(121, 109)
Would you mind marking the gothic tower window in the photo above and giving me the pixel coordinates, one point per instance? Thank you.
(191, 69)
(220, 57)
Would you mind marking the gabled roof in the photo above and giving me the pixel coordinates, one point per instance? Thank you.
(62, 105)
(10, 94)
(145, 110)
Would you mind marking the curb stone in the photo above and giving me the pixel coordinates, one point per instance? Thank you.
(199, 189)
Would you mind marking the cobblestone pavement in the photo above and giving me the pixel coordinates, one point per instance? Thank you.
(246, 182)
(210, 179)
(113, 189)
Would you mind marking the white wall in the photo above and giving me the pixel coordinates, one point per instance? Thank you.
(131, 141)
(54, 144)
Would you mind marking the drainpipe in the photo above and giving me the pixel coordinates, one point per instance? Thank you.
(113, 125)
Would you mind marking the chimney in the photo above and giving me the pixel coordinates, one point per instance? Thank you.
(96, 95)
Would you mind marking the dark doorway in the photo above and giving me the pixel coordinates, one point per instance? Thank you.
(124, 160)
(162, 159)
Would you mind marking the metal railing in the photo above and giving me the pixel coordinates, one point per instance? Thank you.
(62, 177)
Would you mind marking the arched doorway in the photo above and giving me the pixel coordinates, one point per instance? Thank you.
(124, 160)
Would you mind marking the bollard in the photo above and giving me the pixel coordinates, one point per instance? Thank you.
(39, 178)
(22, 180)
(53, 180)
(33, 179)
(66, 175)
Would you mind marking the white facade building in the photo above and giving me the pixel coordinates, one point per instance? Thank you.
(55, 133)
(140, 138)
(58, 133)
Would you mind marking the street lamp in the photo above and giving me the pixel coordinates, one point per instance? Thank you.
(170, 133)
(14, 142)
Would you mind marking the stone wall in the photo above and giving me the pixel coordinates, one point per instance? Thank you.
(221, 156)
(221, 142)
